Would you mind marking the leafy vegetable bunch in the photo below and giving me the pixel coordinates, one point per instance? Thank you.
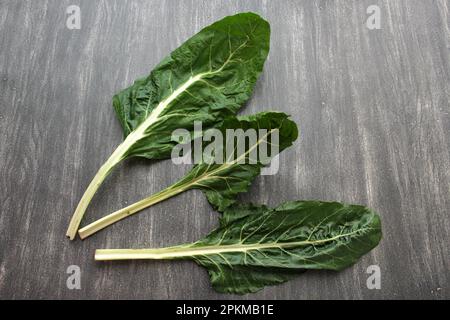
(208, 78)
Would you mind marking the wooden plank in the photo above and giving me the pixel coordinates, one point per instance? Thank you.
(373, 112)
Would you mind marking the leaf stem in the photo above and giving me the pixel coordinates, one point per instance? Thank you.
(131, 209)
(139, 254)
(117, 156)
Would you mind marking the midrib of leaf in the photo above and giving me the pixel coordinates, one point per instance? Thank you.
(190, 251)
(139, 132)
(208, 174)
(154, 115)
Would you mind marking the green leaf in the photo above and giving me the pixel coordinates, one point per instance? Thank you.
(258, 246)
(221, 182)
(240, 211)
(208, 78)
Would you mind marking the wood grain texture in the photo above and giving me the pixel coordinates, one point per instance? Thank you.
(372, 107)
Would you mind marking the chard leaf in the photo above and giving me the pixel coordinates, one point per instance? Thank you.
(206, 79)
(222, 182)
(258, 246)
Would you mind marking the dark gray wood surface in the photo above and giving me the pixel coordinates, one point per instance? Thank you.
(372, 107)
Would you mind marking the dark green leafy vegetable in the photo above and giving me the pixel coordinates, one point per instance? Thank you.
(206, 79)
(221, 182)
(257, 246)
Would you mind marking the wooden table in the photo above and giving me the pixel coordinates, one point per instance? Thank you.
(372, 106)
